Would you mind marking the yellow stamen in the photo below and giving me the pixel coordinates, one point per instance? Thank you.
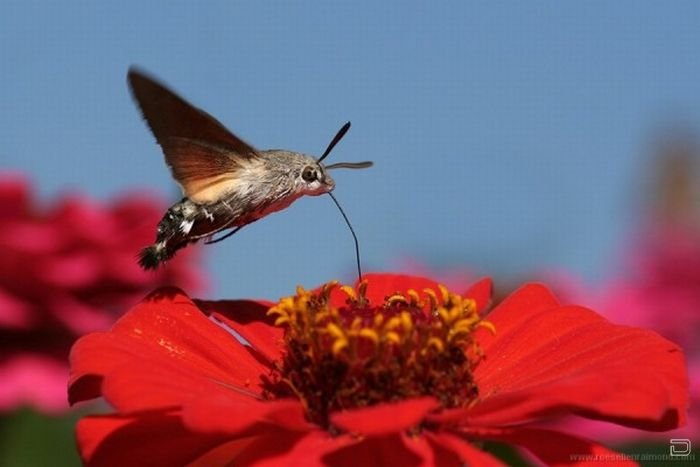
(393, 323)
(338, 346)
(281, 320)
(378, 320)
(356, 324)
(362, 288)
(392, 337)
(413, 295)
(406, 321)
(335, 331)
(350, 292)
(436, 344)
(396, 298)
(488, 325)
(432, 298)
(370, 334)
(445, 293)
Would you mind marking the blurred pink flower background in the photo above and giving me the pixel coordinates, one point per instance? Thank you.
(68, 267)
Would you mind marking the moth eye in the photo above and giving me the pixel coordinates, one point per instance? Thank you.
(308, 174)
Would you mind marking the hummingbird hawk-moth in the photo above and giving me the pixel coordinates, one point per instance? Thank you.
(226, 182)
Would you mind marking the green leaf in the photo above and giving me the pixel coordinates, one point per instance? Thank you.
(28, 439)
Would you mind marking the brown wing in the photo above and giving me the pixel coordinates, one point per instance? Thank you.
(202, 154)
(204, 171)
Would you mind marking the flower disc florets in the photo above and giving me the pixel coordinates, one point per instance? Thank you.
(360, 354)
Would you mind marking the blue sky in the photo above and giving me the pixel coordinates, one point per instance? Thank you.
(506, 137)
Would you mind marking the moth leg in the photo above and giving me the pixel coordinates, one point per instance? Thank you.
(217, 240)
(195, 238)
(225, 203)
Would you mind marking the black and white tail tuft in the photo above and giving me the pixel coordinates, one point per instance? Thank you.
(151, 257)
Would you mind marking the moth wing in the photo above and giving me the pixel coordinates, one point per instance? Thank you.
(202, 154)
(205, 171)
(170, 116)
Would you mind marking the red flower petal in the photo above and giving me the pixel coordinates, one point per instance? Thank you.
(291, 450)
(234, 415)
(385, 418)
(248, 319)
(467, 453)
(481, 292)
(544, 361)
(420, 446)
(514, 312)
(377, 451)
(93, 356)
(224, 454)
(555, 448)
(171, 348)
(155, 383)
(112, 440)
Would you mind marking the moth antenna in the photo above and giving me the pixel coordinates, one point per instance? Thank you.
(352, 231)
(350, 165)
(338, 136)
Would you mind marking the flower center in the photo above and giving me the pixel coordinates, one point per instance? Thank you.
(362, 354)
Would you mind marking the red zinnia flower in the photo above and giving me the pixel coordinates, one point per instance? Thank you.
(398, 371)
(67, 270)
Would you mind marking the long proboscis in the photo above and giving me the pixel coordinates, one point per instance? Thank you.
(354, 236)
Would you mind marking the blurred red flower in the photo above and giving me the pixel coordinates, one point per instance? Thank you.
(377, 375)
(65, 271)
